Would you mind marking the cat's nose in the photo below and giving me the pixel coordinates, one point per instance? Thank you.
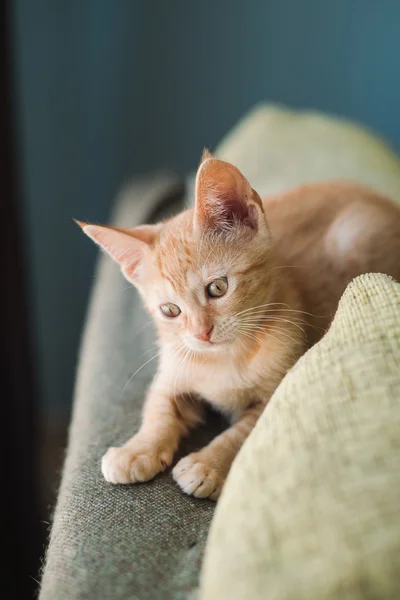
(205, 335)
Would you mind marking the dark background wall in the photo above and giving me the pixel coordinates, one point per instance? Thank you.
(107, 89)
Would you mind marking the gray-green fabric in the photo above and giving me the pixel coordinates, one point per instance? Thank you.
(310, 510)
(121, 542)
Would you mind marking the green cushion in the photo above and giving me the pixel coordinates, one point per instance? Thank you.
(311, 506)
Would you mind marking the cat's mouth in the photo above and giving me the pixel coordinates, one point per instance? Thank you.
(203, 346)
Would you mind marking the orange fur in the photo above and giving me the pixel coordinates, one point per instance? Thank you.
(287, 261)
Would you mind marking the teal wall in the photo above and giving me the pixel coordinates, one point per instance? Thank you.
(105, 89)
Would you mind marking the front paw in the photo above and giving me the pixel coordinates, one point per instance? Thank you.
(197, 478)
(134, 462)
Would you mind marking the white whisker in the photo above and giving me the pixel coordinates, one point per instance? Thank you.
(180, 365)
(142, 327)
(267, 319)
(271, 328)
(289, 267)
(191, 362)
(138, 370)
(294, 320)
(250, 334)
(147, 351)
(244, 332)
(259, 306)
(260, 310)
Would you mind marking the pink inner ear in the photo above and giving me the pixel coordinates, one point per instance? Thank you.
(130, 270)
(122, 246)
(224, 197)
(235, 209)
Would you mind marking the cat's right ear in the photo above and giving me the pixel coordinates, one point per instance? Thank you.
(224, 200)
(127, 247)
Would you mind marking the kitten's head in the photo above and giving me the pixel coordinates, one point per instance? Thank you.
(202, 272)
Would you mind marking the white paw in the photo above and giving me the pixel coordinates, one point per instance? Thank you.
(136, 461)
(198, 479)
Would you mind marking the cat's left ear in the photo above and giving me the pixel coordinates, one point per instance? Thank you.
(225, 199)
(127, 247)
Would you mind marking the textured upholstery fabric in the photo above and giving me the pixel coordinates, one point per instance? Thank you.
(278, 148)
(146, 542)
(311, 506)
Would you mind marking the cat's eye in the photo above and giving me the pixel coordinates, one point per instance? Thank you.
(170, 310)
(217, 288)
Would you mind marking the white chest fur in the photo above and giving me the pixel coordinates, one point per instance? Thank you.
(222, 383)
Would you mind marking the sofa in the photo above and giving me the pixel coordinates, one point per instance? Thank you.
(310, 507)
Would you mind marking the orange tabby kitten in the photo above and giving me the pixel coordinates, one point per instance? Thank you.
(238, 289)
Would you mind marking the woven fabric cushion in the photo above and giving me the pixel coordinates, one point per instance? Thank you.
(311, 506)
(278, 148)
